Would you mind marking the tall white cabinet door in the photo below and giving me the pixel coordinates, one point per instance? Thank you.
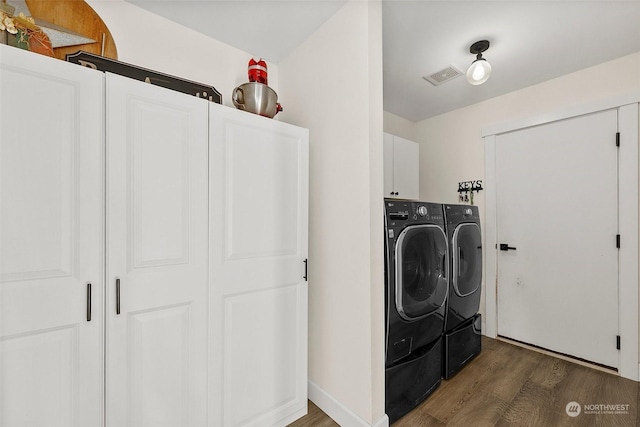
(406, 158)
(157, 246)
(51, 168)
(259, 220)
(401, 159)
(387, 156)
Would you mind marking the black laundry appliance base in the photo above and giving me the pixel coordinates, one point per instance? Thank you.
(461, 345)
(412, 380)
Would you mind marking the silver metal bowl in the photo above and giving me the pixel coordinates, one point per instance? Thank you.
(256, 98)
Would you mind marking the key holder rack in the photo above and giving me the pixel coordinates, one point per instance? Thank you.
(467, 188)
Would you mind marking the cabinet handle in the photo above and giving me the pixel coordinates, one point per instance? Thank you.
(117, 296)
(88, 302)
(306, 263)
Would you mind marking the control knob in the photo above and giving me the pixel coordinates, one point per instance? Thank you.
(422, 210)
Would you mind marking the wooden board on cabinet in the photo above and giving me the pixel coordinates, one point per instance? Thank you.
(79, 17)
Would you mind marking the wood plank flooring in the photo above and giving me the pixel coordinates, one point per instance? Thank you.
(507, 385)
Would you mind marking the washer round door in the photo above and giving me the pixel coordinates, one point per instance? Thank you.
(421, 271)
(467, 259)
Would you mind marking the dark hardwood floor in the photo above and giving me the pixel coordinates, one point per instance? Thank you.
(507, 385)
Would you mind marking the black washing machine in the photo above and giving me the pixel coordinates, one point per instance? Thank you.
(462, 337)
(416, 266)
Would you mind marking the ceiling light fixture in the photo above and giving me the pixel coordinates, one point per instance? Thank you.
(480, 69)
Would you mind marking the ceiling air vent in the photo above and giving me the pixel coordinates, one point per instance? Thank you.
(443, 76)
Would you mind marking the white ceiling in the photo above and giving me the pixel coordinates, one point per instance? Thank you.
(531, 41)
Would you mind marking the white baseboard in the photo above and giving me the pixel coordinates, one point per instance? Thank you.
(382, 422)
(291, 418)
(337, 411)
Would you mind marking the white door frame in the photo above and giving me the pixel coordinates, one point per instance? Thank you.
(628, 118)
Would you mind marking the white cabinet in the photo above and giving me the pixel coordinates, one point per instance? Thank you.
(51, 236)
(401, 167)
(258, 242)
(157, 256)
(153, 251)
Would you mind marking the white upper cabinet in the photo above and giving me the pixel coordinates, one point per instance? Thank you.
(259, 220)
(51, 237)
(401, 167)
(157, 252)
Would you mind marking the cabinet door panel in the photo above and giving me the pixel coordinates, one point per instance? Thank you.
(51, 222)
(387, 156)
(401, 167)
(159, 187)
(157, 242)
(262, 198)
(159, 351)
(41, 370)
(258, 385)
(259, 209)
(406, 156)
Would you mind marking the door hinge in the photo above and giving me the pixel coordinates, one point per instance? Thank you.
(617, 342)
(617, 241)
(306, 263)
(617, 139)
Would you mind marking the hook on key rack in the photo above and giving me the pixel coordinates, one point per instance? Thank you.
(467, 188)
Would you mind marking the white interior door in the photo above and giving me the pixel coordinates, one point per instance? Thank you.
(51, 215)
(556, 189)
(258, 203)
(157, 243)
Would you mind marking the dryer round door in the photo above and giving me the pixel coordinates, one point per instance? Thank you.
(467, 259)
(421, 271)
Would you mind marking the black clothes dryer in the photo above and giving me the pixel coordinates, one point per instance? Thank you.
(462, 341)
(416, 268)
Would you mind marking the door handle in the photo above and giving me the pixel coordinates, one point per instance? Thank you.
(506, 247)
(444, 266)
(117, 296)
(88, 302)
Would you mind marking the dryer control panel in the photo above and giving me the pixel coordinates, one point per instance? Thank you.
(400, 213)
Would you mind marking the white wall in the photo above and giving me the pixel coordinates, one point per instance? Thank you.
(451, 144)
(399, 126)
(153, 42)
(342, 107)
